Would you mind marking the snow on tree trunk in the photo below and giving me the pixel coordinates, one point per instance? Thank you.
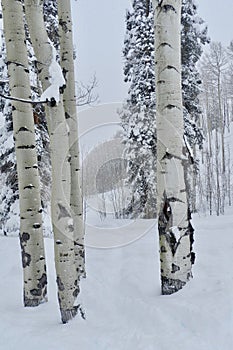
(69, 100)
(63, 228)
(175, 230)
(31, 234)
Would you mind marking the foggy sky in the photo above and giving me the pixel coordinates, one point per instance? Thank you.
(99, 34)
(218, 16)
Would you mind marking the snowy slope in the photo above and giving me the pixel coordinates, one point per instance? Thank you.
(121, 297)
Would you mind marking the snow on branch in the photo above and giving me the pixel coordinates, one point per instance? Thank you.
(56, 80)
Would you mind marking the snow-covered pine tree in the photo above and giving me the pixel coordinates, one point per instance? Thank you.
(193, 37)
(138, 113)
(51, 21)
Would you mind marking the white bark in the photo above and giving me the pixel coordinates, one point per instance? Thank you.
(175, 230)
(31, 234)
(69, 100)
(62, 221)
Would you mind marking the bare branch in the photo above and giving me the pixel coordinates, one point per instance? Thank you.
(24, 100)
(85, 93)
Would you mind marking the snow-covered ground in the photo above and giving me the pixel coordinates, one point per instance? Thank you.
(121, 297)
(121, 294)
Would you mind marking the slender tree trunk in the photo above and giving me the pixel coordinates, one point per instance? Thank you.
(222, 124)
(69, 100)
(222, 131)
(194, 184)
(209, 184)
(175, 230)
(63, 227)
(31, 234)
(218, 190)
(209, 155)
(229, 175)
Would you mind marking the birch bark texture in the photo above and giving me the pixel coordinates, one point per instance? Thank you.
(53, 83)
(175, 229)
(31, 234)
(69, 101)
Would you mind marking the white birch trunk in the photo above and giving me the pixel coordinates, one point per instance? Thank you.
(222, 131)
(217, 166)
(175, 230)
(31, 234)
(69, 101)
(62, 221)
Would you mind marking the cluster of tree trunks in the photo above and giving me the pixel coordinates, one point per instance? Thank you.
(66, 201)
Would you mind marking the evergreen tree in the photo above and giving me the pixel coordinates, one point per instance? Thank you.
(193, 37)
(51, 21)
(137, 115)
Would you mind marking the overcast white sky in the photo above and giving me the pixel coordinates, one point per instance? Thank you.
(99, 35)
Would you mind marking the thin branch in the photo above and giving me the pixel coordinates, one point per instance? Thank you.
(85, 93)
(23, 100)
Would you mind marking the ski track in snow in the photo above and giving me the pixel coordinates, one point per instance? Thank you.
(122, 301)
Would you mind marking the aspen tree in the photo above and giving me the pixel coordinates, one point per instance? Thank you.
(69, 101)
(175, 230)
(53, 84)
(31, 235)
